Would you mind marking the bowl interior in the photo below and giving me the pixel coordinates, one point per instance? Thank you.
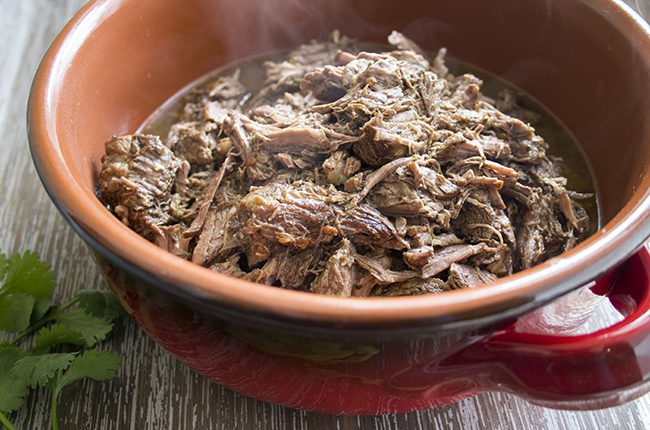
(586, 60)
(568, 54)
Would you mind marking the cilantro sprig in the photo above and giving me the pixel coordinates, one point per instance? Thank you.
(53, 346)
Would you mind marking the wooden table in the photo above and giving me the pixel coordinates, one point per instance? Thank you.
(153, 390)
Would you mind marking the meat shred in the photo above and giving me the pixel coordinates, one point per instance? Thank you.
(349, 173)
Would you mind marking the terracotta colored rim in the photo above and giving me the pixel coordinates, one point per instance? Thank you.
(610, 246)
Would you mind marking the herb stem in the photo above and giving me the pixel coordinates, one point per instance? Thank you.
(5, 421)
(67, 305)
(40, 323)
(34, 327)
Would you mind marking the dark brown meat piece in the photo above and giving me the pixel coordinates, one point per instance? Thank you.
(382, 142)
(377, 267)
(365, 225)
(234, 129)
(338, 276)
(289, 269)
(298, 140)
(206, 200)
(226, 92)
(397, 195)
(540, 232)
(340, 166)
(218, 235)
(297, 215)
(350, 173)
(464, 276)
(284, 77)
(172, 241)
(479, 221)
(230, 266)
(136, 180)
(412, 287)
(302, 215)
(445, 257)
(196, 142)
(325, 83)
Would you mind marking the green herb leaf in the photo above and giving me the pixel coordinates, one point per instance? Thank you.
(41, 306)
(92, 329)
(13, 389)
(97, 365)
(100, 304)
(27, 274)
(38, 370)
(15, 311)
(56, 334)
(26, 285)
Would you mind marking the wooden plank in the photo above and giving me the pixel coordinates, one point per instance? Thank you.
(153, 390)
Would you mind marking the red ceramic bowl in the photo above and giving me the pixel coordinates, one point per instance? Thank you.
(587, 60)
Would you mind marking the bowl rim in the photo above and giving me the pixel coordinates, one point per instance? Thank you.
(617, 240)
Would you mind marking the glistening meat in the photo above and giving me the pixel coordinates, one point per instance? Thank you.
(349, 173)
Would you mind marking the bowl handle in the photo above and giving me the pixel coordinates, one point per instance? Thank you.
(600, 369)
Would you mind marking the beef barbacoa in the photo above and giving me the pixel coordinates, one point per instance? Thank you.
(349, 173)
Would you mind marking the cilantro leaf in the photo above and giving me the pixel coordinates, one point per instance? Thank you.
(38, 370)
(100, 304)
(26, 285)
(15, 311)
(56, 334)
(97, 365)
(92, 329)
(27, 274)
(41, 306)
(13, 389)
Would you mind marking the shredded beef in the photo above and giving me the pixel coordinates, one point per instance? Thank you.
(136, 181)
(349, 173)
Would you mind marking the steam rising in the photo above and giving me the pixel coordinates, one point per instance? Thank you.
(508, 38)
(273, 24)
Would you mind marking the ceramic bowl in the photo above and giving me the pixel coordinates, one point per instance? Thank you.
(588, 61)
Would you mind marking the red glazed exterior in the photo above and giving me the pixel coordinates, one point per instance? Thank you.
(379, 375)
(587, 60)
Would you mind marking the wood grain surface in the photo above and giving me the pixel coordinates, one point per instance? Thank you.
(153, 390)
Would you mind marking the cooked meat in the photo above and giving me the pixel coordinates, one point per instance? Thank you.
(207, 199)
(445, 257)
(196, 142)
(217, 235)
(382, 274)
(172, 241)
(136, 181)
(285, 77)
(363, 224)
(226, 92)
(412, 287)
(418, 257)
(349, 173)
(302, 215)
(280, 215)
(382, 141)
(338, 277)
(230, 266)
(288, 268)
(463, 276)
(339, 167)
